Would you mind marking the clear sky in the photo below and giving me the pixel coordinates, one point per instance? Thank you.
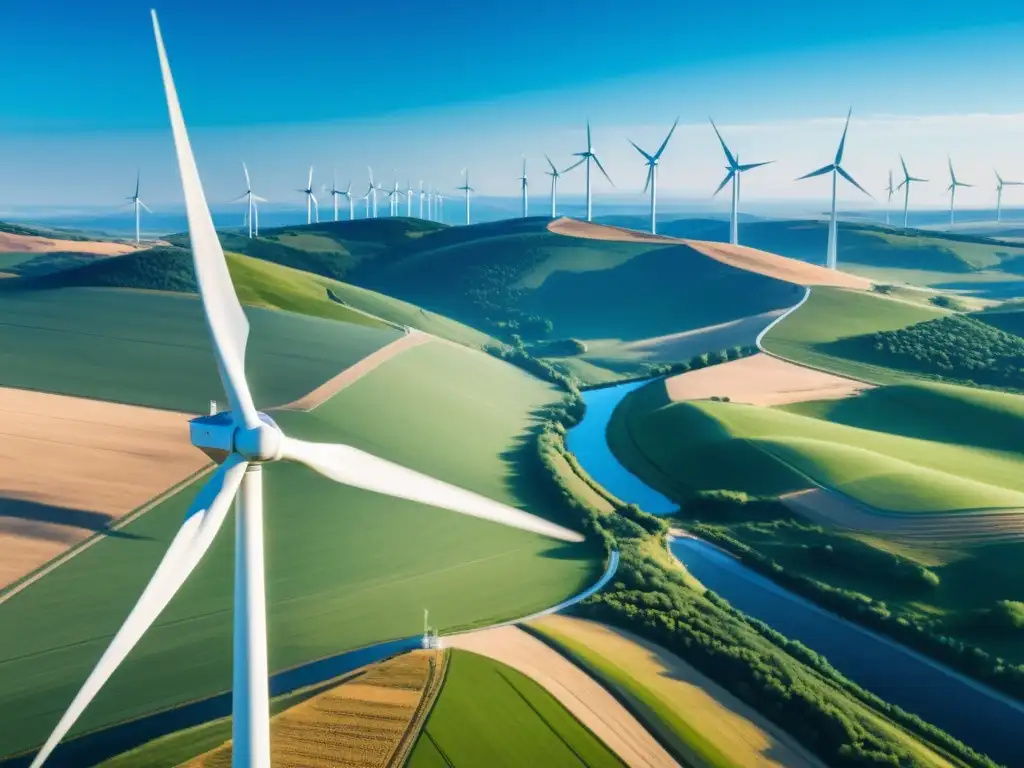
(421, 89)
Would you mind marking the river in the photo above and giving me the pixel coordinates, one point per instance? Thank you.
(979, 716)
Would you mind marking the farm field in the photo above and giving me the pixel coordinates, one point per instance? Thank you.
(329, 590)
(70, 467)
(702, 723)
(72, 341)
(490, 714)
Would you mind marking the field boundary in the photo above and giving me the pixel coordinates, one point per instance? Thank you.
(438, 673)
(31, 578)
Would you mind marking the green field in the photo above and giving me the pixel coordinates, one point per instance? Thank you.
(154, 349)
(490, 714)
(809, 335)
(345, 568)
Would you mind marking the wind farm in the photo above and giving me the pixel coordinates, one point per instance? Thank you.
(638, 476)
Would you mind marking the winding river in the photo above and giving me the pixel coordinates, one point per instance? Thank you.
(977, 715)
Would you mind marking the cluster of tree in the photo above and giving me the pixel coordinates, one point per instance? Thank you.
(857, 557)
(783, 679)
(954, 347)
(1005, 617)
(695, 363)
(163, 268)
(559, 348)
(948, 302)
(925, 636)
(519, 356)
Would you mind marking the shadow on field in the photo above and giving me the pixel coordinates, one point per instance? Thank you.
(35, 520)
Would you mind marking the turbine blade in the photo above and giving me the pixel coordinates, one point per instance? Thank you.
(648, 157)
(575, 165)
(248, 184)
(555, 170)
(143, 205)
(202, 521)
(138, 178)
(820, 172)
(650, 172)
(751, 166)
(348, 465)
(309, 184)
(906, 173)
(224, 316)
(850, 179)
(726, 180)
(603, 171)
(240, 198)
(665, 142)
(842, 141)
(728, 155)
(258, 199)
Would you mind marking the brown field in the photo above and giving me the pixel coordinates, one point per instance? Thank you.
(761, 380)
(29, 244)
(70, 467)
(743, 736)
(353, 373)
(739, 256)
(584, 698)
(370, 721)
(952, 528)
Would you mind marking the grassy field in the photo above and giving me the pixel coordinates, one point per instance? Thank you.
(346, 568)
(154, 349)
(698, 721)
(490, 714)
(809, 335)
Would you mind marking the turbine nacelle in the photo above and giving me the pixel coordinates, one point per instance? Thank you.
(219, 435)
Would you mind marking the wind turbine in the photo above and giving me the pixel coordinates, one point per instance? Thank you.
(242, 439)
(136, 203)
(1000, 183)
(374, 188)
(890, 189)
(439, 208)
(252, 218)
(953, 184)
(311, 202)
(525, 190)
(250, 201)
(421, 199)
(652, 171)
(733, 173)
(430, 202)
(366, 199)
(393, 195)
(467, 189)
(587, 157)
(555, 174)
(837, 170)
(409, 195)
(336, 193)
(907, 179)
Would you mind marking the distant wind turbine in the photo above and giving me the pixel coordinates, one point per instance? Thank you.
(953, 184)
(733, 173)
(467, 189)
(555, 175)
(393, 195)
(421, 199)
(409, 195)
(250, 202)
(430, 202)
(1000, 183)
(525, 190)
(440, 207)
(836, 169)
(890, 189)
(366, 199)
(336, 193)
(137, 203)
(907, 179)
(587, 156)
(311, 202)
(374, 188)
(652, 171)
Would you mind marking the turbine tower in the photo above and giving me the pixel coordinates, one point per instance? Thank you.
(241, 440)
(393, 195)
(311, 203)
(953, 184)
(837, 170)
(467, 189)
(1000, 183)
(555, 174)
(890, 189)
(439, 208)
(430, 202)
(250, 203)
(907, 179)
(734, 170)
(652, 172)
(421, 199)
(351, 202)
(525, 190)
(587, 157)
(372, 191)
(409, 195)
(336, 193)
(137, 203)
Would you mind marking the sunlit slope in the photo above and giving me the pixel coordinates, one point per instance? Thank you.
(892, 448)
(345, 568)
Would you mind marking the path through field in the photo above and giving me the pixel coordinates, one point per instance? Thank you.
(10, 243)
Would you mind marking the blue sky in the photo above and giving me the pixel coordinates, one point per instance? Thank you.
(420, 90)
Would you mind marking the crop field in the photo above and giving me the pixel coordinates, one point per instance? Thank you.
(702, 723)
(153, 349)
(833, 314)
(345, 568)
(490, 714)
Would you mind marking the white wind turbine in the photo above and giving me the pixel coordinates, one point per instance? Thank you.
(734, 172)
(242, 440)
(1000, 183)
(409, 195)
(953, 184)
(555, 174)
(907, 180)
(467, 189)
(311, 203)
(393, 199)
(421, 199)
(250, 202)
(430, 202)
(336, 193)
(366, 199)
(836, 169)
(374, 188)
(137, 203)
(889, 190)
(525, 190)
(652, 171)
(439, 208)
(587, 156)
